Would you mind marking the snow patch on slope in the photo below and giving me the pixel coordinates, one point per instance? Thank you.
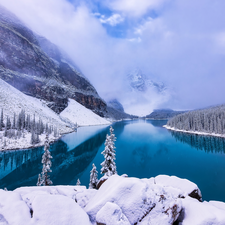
(13, 101)
(77, 113)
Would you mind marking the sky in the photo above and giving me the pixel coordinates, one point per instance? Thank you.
(178, 42)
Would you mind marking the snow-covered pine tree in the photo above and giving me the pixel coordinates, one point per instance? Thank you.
(46, 161)
(109, 165)
(93, 178)
(1, 121)
(14, 121)
(78, 182)
(40, 181)
(113, 138)
(55, 132)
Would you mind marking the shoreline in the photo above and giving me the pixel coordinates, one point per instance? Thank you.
(52, 139)
(195, 132)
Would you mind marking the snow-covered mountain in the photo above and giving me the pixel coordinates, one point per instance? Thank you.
(13, 101)
(138, 81)
(142, 94)
(37, 67)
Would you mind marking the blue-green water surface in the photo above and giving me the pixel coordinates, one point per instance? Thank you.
(143, 149)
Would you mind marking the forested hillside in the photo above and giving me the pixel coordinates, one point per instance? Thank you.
(210, 120)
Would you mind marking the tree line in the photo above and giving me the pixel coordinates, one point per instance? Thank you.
(210, 120)
(24, 123)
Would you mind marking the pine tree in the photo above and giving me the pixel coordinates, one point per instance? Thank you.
(93, 178)
(46, 161)
(14, 121)
(55, 132)
(1, 121)
(32, 138)
(40, 181)
(78, 182)
(109, 165)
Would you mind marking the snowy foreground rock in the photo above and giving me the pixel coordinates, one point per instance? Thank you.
(119, 201)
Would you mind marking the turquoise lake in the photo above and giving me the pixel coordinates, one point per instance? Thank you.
(143, 149)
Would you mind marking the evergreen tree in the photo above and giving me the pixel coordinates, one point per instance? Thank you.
(109, 165)
(40, 181)
(55, 132)
(78, 182)
(46, 161)
(32, 138)
(8, 123)
(14, 121)
(93, 178)
(1, 121)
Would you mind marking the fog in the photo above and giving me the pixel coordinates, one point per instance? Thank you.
(183, 46)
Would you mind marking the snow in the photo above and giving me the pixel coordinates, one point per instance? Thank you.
(111, 214)
(119, 201)
(194, 132)
(137, 200)
(205, 213)
(77, 113)
(23, 142)
(13, 101)
(57, 210)
(184, 185)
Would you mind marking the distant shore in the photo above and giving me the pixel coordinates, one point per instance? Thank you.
(195, 132)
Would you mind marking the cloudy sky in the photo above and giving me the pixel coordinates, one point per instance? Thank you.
(179, 42)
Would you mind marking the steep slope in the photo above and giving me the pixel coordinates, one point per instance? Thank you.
(13, 101)
(38, 68)
(78, 114)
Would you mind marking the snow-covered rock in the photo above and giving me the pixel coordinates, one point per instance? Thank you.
(57, 210)
(205, 213)
(13, 210)
(77, 113)
(119, 201)
(138, 200)
(111, 214)
(187, 187)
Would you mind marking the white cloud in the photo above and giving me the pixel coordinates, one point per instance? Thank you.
(112, 20)
(178, 47)
(136, 8)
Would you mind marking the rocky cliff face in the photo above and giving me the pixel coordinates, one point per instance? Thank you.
(35, 66)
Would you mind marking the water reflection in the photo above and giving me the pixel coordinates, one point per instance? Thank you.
(206, 143)
(21, 168)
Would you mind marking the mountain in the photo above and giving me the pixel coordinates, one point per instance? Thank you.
(138, 81)
(13, 101)
(38, 68)
(159, 114)
(114, 103)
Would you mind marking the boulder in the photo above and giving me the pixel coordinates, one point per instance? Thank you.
(111, 214)
(138, 199)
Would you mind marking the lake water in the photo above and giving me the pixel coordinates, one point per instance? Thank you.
(143, 149)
